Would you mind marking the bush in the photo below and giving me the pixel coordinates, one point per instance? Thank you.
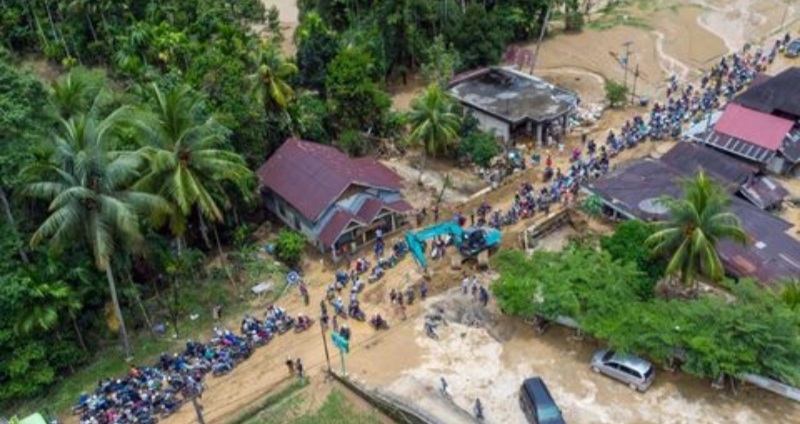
(289, 247)
(479, 147)
(573, 21)
(627, 244)
(616, 93)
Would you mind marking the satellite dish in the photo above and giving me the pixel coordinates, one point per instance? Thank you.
(653, 206)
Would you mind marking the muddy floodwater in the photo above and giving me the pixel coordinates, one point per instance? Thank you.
(490, 365)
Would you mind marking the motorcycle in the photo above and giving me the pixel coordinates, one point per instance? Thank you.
(357, 314)
(379, 323)
(303, 325)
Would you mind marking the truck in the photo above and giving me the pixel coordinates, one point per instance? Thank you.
(470, 242)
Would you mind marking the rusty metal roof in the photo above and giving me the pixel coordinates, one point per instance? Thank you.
(311, 176)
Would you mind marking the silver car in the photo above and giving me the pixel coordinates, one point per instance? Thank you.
(793, 49)
(635, 371)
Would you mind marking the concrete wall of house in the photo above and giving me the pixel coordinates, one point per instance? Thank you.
(291, 217)
(491, 124)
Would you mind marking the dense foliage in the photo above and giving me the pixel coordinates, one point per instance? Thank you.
(289, 247)
(753, 332)
(627, 244)
(117, 182)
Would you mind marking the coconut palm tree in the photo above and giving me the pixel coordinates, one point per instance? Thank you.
(434, 123)
(268, 82)
(187, 161)
(90, 199)
(696, 224)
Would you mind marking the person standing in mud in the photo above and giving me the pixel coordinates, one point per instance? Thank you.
(423, 289)
(298, 366)
(410, 294)
(304, 292)
(484, 296)
(290, 365)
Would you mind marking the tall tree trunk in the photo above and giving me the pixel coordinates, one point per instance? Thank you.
(91, 26)
(77, 329)
(138, 296)
(38, 24)
(203, 229)
(123, 331)
(13, 224)
(224, 261)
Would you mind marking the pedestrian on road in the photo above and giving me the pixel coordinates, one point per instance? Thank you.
(436, 212)
(423, 289)
(478, 409)
(400, 299)
(335, 323)
(410, 294)
(484, 296)
(464, 285)
(290, 365)
(298, 366)
(304, 293)
(474, 290)
(393, 296)
(443, 386)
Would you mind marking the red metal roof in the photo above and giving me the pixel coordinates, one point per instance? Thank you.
(310, 176)
(758, 128)
(400, 206)
(333, 229)
(369, 209)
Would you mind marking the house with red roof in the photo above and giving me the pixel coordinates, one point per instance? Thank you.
(762, 125)
(331, 198)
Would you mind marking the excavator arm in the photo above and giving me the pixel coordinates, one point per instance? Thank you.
(416, 240)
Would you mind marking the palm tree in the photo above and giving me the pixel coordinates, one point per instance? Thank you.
(75, 92)
(268, 82)
(45, 300)
(434, 123)
(187, 162)
(790, 294)
(696, 225)
(90, 197)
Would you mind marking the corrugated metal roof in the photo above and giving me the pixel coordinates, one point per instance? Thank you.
(333, 229)
(310, 176)
(771, 254)
(369, 209)
(400, 206)
(740, 147)
(690, 158)
(754, 127)
(780, 93)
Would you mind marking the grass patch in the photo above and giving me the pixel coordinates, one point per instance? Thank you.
(274, 401)
(335, 410)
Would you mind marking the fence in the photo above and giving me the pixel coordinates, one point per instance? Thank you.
(394, 408)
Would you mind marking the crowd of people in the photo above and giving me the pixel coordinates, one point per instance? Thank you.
(149, 392)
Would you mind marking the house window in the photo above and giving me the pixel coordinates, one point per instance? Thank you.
(281, 210)
(296, 222)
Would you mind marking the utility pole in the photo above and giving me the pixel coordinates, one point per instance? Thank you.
(192, 392)
(635, 77)
(624, 61)
(785, 12)
(541, 35)
(325, 344)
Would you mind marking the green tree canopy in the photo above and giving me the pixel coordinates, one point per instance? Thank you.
(697, 223)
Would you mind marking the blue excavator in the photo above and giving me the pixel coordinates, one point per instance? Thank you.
(469, 242)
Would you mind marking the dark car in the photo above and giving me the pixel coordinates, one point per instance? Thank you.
(793, 48)
(537, 403)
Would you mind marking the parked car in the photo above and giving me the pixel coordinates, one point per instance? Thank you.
(537, 403)
(793, 48)
(635, 371)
